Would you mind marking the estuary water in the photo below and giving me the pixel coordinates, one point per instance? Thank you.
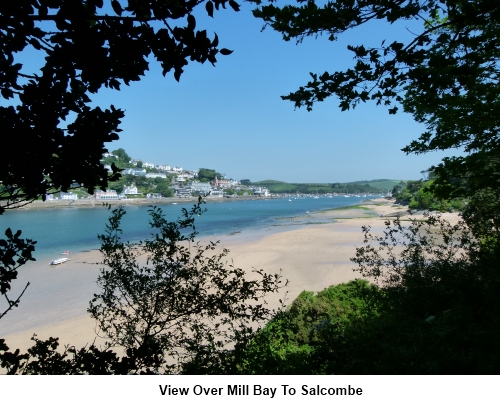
(76, 229)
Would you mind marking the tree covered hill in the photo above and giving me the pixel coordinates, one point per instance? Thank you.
(364, 186)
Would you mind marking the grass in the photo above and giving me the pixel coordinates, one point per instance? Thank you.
(356, 207)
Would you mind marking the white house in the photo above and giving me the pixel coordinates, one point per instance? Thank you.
(134, 172)
(182, 177)
(163, 167)
(148, 165)
(105, 195)
(130, 190)
(262, 191)
(154, 175)
(177, 169)
(68, 196)
(203, 188)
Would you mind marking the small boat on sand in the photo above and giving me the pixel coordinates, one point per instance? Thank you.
(59, 261)
(66, 252)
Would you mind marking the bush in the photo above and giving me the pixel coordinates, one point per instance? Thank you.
(184, 309)
(435, 311)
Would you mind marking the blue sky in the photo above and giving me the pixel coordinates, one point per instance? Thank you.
(231, 117)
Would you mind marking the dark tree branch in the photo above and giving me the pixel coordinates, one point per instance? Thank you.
(12, 304)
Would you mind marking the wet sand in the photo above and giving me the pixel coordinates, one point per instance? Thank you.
(311, 256)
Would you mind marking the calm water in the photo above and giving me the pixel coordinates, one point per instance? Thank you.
(76, 229)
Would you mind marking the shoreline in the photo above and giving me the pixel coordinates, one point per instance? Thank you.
(92, 203)
(311, 256)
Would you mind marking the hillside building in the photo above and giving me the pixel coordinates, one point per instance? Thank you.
(130, 190)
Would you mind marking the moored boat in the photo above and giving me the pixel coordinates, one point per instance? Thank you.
(59, 261)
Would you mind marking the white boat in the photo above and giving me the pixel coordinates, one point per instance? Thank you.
(59, 261)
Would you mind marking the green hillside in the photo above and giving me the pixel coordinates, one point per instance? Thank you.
(269, 182)
(365, 186)
(381, 184)
(276, 186)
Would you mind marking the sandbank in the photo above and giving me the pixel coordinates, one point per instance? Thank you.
(312, 256)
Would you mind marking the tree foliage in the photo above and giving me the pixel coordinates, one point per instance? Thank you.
(83, 46)
(435, 310)
(294, 341)
(122, 155)
(14, 252)
(482, 214)
(207, 175)
(447, 76)
(418, 195)
(170, 304)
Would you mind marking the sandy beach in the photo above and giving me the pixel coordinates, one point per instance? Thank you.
(312, 256)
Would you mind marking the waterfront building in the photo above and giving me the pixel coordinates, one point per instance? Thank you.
(202, 188)
(106, 195)
(183, 192)
(223, 184)
(68, 196)
(262, 191)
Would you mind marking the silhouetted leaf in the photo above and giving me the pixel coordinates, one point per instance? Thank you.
(235, 6)
(209, 6)
(117, 8)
